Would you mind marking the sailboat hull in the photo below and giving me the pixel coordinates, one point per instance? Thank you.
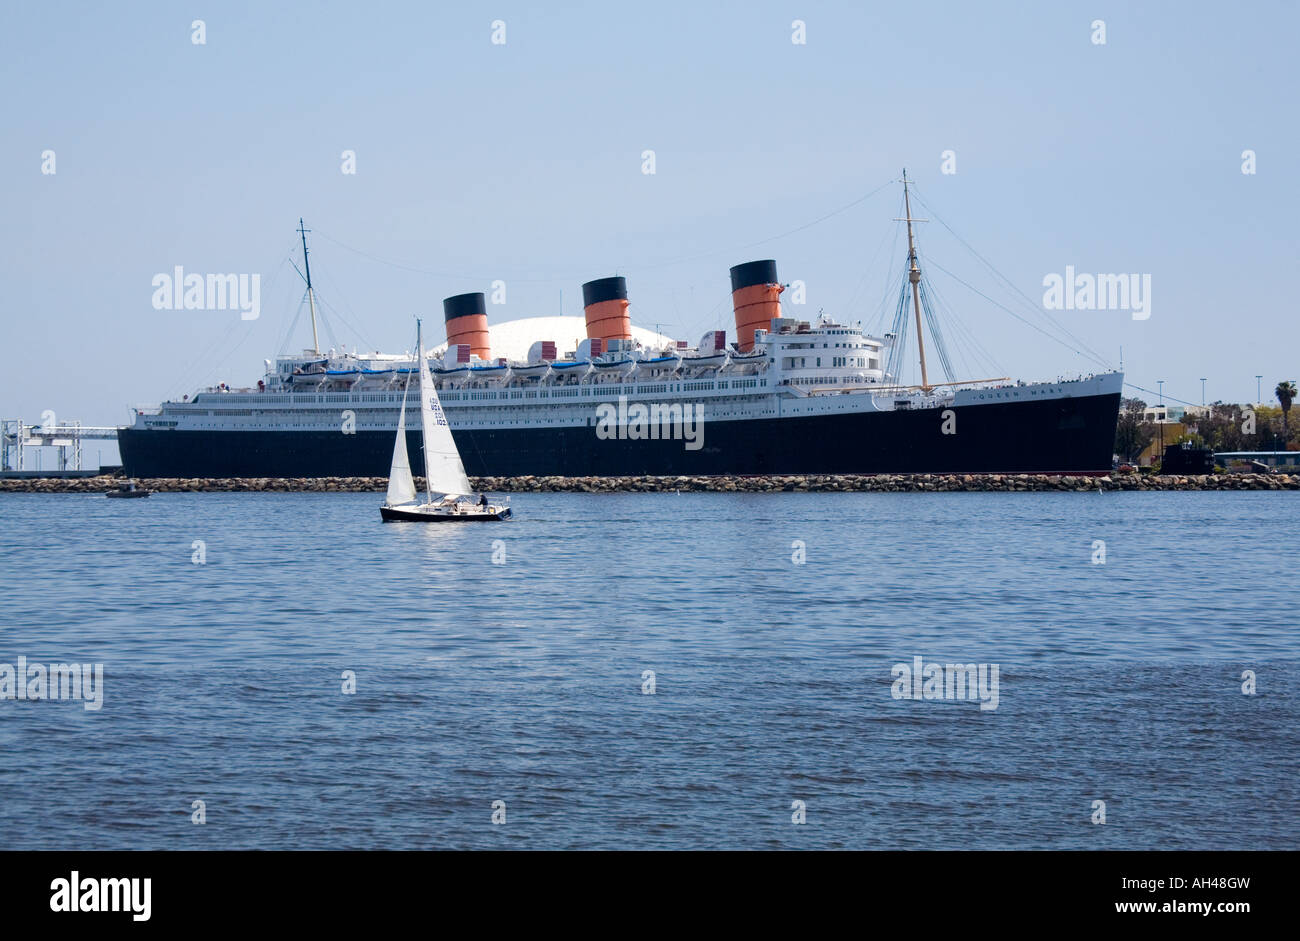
(398, 514)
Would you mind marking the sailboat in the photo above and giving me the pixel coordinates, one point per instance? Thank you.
(444, 473)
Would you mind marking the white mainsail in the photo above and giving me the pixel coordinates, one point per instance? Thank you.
(443, 471)
(401, 486)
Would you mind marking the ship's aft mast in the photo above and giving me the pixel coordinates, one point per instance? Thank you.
(914, 276)
(311, 296)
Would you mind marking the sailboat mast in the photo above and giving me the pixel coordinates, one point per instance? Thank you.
(311, 296)
(914, 276)
(424, 410)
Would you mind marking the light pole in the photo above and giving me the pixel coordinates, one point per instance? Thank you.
(1202, 392)
(1284, 447)
(1161, 384)
(1258, 400)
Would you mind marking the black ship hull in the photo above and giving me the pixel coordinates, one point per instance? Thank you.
(1068, 435)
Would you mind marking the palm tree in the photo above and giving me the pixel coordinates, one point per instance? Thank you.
(1285, 392)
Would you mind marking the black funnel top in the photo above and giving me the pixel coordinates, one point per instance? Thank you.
(464, 305)
(753, 272)
(604, 289)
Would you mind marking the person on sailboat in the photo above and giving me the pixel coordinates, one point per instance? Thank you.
(482, 500)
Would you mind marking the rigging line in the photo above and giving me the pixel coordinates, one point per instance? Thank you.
(335, 311)
(302, 299)
(279, 269)
(206, 356)
(334, 289)
(876, 324)
(966, 351)
(324, 322)
(1028, 323)
(285, 337)
(1032, 306)
(897, 351)
(773, 238)
(428, 271)
(932, 320)
(334, 340)
(963, 332)
(179, 383)
(286, 258)
(639, 267)
(715, 315)
(895, 254)
(1133, 385)
(940, 340)
(882, 309)
(866, 270)
(247, 334)
(897, 274)
(983, 359)
(284, 341)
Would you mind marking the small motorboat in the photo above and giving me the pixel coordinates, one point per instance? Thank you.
(128, 490)
(444, 472)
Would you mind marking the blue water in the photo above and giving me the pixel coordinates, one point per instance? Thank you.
(522, 681)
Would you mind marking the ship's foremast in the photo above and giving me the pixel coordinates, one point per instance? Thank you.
(311, 295)
(914, 276)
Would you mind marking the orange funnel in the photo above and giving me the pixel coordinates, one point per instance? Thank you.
(467, 322)
(756, 299)
(605, 303)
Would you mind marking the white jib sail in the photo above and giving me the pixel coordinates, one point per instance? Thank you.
(401, 486)
(443, 471)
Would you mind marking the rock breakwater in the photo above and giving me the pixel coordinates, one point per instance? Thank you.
(778, 483)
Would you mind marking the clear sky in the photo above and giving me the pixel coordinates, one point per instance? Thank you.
(523, 162)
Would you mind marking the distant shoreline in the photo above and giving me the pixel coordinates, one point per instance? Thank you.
(776, 483)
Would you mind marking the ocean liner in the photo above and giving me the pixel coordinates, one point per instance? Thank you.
(787, 396)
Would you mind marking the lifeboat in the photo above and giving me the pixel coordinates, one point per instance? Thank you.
(531, 369)
(618, 366)
(660, 362)
(567, 366)
(709, 359)
(459, 371)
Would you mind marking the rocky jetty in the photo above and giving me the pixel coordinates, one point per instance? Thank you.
(820, 483)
